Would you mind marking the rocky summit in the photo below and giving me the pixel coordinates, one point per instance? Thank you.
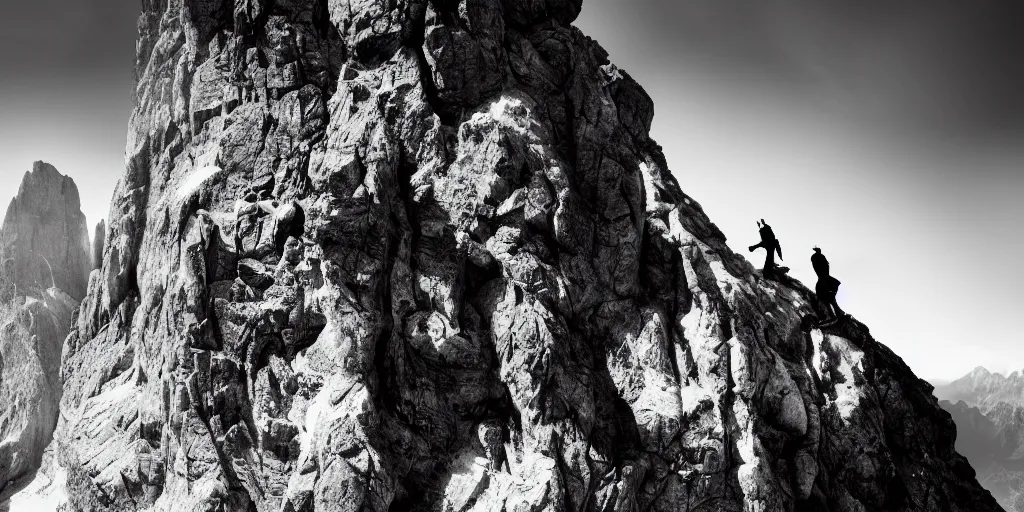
(416, 255)
(42, 251)
(44, 240)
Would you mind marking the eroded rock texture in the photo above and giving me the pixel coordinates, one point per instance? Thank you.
(31, 335)
(414, 255)
(45, 239)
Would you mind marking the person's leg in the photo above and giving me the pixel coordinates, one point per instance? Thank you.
(835, 306)
(826, 310)
(819, 308)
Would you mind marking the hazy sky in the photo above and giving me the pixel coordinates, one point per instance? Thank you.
(888, 133)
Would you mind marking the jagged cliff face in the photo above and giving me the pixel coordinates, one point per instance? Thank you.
(31, 335)
(411, 255)
(40, 231)
(45, 241)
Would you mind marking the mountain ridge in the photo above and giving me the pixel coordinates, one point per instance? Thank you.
(984, 389)
(988, 409)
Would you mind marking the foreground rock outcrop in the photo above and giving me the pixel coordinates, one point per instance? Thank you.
(31, 336)
(416, 255)
(39, 235)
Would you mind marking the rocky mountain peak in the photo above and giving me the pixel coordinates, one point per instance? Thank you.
(415, 255)
(44, 246)
(980, 373)
(44, 238)
(984, 389)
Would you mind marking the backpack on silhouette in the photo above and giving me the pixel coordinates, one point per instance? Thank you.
(828, 284)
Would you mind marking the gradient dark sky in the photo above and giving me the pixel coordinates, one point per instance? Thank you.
(65, 84)
(889, 133)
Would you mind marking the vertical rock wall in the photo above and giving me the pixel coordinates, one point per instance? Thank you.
(421, 255)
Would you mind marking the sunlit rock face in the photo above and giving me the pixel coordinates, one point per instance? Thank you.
(45, 251)
(414, 255)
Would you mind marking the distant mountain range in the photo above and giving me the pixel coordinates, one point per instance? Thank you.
(988, 409)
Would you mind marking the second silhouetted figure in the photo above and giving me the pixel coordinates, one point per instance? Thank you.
(770, 244)
(826, 289)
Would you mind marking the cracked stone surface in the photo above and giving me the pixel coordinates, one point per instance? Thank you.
(31, 334)
(424, 255)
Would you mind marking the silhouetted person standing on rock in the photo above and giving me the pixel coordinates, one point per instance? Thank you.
(827, 287)
(770, 244)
